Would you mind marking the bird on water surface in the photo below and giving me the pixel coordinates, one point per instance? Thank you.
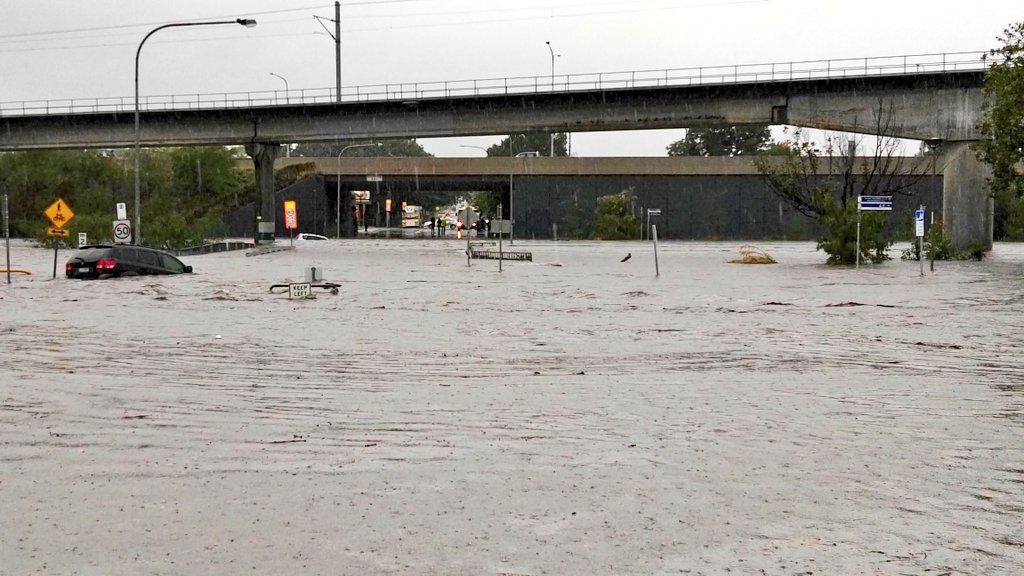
(628, 256)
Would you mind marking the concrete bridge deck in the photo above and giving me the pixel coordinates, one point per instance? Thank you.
(559, 166)
(937, 98)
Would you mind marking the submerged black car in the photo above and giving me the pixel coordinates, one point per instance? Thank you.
(104, 261)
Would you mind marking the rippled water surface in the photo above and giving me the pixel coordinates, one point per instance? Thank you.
(573, 415)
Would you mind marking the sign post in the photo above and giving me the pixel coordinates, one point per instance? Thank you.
(59, 214)
(7, 239)
(651, 212)
(501, 234)
(919, 230)
(299, 291)
(83, 239)
(122, 231)
(291, 220)
(870, 204)
(654, 236)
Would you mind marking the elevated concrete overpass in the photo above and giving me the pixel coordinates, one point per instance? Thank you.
(937, 98)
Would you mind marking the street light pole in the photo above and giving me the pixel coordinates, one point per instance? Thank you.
(511, 195)
(337, 229)
(287, 99)
(553, 56)
(247, 22)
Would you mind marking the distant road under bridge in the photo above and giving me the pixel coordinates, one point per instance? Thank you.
(700, 198)
(937, 98)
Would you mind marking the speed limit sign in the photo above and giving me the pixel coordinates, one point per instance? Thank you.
(122, 231)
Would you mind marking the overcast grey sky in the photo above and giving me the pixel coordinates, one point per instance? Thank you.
(71, 49)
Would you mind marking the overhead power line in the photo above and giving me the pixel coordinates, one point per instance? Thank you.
(549, 16)
(153, 23)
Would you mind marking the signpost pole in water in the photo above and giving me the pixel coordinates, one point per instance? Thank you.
(291, 220)
(7, 240)
(858, 237)
(650, 212)
(919, 229)
(59, 214)
(654, 236)
(500, 236)
(872, 204)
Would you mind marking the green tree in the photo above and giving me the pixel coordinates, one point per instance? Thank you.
(539, 142)
(731, 141)
(88, 181)
(1002, 128)
(486, 202)
(185, 192)
(615, 220)
(398, 147)
(824, 184)
(207, 175)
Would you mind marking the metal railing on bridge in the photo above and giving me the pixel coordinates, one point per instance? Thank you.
(697, 76)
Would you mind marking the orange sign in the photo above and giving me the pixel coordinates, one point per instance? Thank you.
(57, 232)
(59, 213)
(291, 215)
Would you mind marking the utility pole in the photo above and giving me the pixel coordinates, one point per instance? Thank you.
(336, 35)
(337, 48)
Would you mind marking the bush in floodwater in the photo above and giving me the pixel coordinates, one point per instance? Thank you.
(753, 255)
(840, 220)
(937, 246)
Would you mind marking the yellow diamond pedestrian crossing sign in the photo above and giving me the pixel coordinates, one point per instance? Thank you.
(59, 213)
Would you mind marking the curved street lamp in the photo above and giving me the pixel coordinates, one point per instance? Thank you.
(551, 152)
(287, 99)
(337, 229)
(247, 22)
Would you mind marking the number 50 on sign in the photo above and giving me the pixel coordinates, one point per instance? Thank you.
(291, 215)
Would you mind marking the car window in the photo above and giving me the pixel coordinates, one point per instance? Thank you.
(149, 258)
(171, 263)
(90, 254)
(126, 254)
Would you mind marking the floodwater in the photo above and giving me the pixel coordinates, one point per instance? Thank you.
(573, 415)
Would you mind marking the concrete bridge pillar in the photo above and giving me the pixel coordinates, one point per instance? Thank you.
(263, 156)
(967, 207)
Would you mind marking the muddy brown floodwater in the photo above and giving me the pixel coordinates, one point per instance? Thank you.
(574, 415)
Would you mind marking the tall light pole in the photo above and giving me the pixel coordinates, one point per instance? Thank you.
(337, 230)
(247, 22)
(511, 194)
(553, 56)
(287, 100)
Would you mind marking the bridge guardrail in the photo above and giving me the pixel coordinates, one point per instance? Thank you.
(565, 83)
